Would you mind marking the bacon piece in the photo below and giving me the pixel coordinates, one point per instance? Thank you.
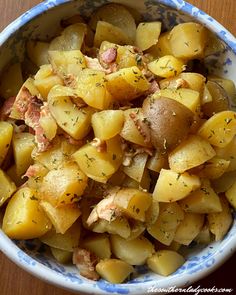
(7, 107)
(86, 261)
(109, 56)
(71, 140)
(94, 64)
(32, 116)
(22, 101)
(99, 144)
(154, 87)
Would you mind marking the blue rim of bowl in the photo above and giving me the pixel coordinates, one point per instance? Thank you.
(226, 248)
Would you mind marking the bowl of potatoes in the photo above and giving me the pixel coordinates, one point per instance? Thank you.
(117, 144)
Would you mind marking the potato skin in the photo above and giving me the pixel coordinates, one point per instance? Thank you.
(169, 121)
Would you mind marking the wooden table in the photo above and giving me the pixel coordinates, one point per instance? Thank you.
(13, 280)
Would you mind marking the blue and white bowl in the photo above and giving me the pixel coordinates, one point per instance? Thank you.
(33, 257)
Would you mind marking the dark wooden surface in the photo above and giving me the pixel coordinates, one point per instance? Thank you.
(15, 281)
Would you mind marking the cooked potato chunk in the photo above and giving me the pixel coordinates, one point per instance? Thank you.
(99, 244)
(37, 52)
(11, 81)
(61, 217)
(127, 83)
(162, 47)
(100, 165)
(23, 145)
(74, 121)
(147, 34)
(188, 97)
(228, 153)
(219, 223)
(214, 168)
(67, 241)
(165, 262)
(91, 86)
(202, 200)
(110, 33)
(130, 130)
(6, 131)
(195, 81)
(192, 152)
(136, 169)
(220, 129)
(7, 187)
(134, 202)
(71, 38)
(188, 40)
(164, 228)
(189, 228)
(157, 162)
(71, 183)
(107, 124)
(166, 66)
(114, 271)
(172, 186)
(108, 13)
(204, 237)
(223, 183)
(134, 252)
(24, 219)
(61, 256)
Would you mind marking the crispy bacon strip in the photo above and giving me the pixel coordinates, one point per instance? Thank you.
(86, 261)
(22, 101)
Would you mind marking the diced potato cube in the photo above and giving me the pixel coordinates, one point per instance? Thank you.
(165, 262)
(130, 131)
(220, 129)
(202, 200)
(188, 40)
(74, 121)
(17, 179)
(231, 195)
(137, 229)
(107, 124)
(214, 168)
(172, 186)
(119, 226)
(157, 162)
(133, 202)
(67, 241)
(67, 62)
(91, 86)
(204, 237)
(134, 252)
(108, 32)
(23, 145)
(71, 183)
(71, 38)
(61, 256)
(166, 66)
(61, 217)
(162, 47)
(113, 270)
(98, 244)
(190, 153)
(164, 228)
(23, 218)
(11, 81)
(59, 153)
(6, 131)
(147, 34)
(45, 79)
(195, 81)
(100, 165)
(228, 153)
(136, 169)
(127, 83)
(228, 86)
(37, 52)
(219, 223)
(206, 95)
(188, 97)
(7, 187)
(152, 213)
(189, 228)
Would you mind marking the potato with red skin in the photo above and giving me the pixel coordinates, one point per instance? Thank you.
(169, 122)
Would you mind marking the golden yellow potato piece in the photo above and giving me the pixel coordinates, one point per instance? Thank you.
(7, 187)
(61, 256)
(99, 244)
(147, 34)
(24, 219)
(6, 132)
(37, 52)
